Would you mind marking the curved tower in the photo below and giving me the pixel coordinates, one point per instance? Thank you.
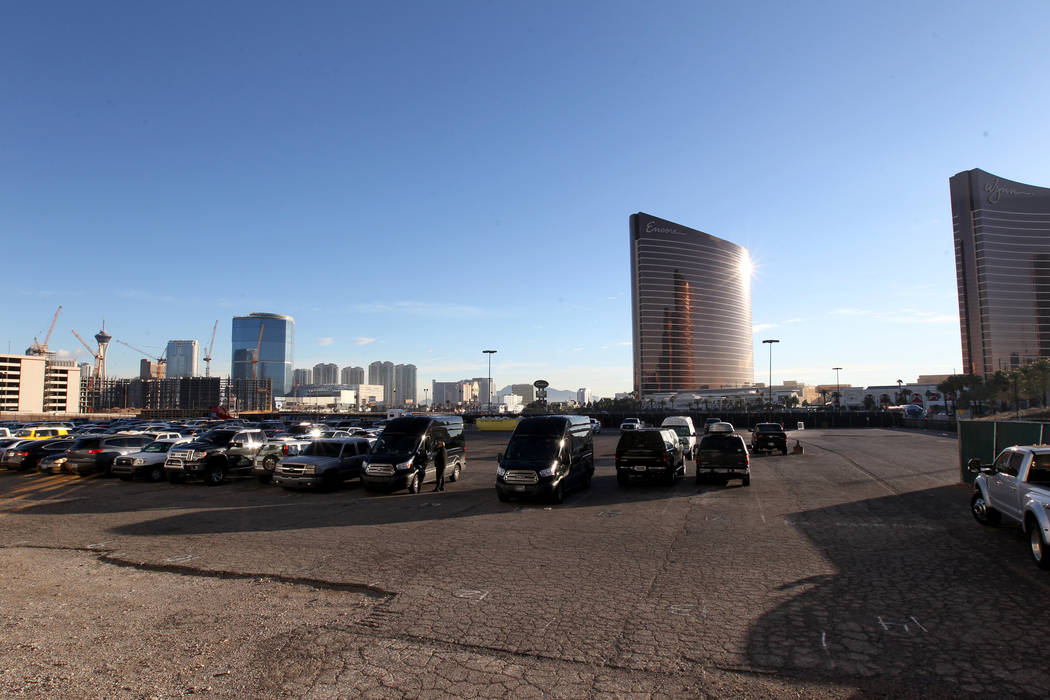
(1002, 266)
(264, 348)
(691, 303)
(102, 338)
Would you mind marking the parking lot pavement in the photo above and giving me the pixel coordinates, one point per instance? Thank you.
(853, 569)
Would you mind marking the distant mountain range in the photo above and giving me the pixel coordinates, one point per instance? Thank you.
(552, 394)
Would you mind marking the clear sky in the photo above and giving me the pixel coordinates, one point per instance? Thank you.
(418, 182)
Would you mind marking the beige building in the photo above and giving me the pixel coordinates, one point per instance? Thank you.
(34, 384)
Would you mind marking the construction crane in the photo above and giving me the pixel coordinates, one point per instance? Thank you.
(255, 357)
(211, 345)
(87, 347)
(159, 360)
(38, 348)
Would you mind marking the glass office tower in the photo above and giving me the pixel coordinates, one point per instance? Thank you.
(182, 358)
(691, 304)
(1002, 267)
(276, 351)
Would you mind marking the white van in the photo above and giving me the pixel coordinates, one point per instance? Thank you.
(683, 426)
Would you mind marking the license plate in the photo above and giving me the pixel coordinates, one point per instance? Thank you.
(519, 488)
(639, 469)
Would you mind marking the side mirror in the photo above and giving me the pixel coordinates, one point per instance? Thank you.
(974, 465)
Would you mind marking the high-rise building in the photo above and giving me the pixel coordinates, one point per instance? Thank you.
(1002, 268)
(275, 346)
(352, 375)
(382, 373)
(302, 377)
(181, 358)
(583, 396)
(691, 304)
(454, 393)
(326, 373)
(527, 392)
(405, 384)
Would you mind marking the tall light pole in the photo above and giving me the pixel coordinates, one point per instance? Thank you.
(838, 388)
(770, 342)
(488, 402)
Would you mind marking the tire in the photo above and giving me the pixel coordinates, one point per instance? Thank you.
(587, 479)
(503, 498)
(622, 479)
(558, 494)
(784, 450)
(269, 464)
(330, 481)
(265, 478)
(454, 476)
(982, 512)
(174, 478)
(156, 474)
(415, 484)
(214, 476)
(1037, 545)
(746, 481)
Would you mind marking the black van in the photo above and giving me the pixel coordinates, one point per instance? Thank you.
(546, 456)
(403, 455)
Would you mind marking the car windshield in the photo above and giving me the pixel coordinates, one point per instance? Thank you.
(24, 433)
(157, 447)
(217, 437)
(682, 430)
(528, 448)
(322, 449)
(768, 428)
(397, 443)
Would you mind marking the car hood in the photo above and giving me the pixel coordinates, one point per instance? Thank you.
(306, 459)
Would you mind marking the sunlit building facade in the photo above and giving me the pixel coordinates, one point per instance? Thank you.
(275, 345)
(691, 307)
(1002, 266)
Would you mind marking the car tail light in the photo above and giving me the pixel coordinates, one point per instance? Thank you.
(21, 454)
(665, 457)
(747, 460)
(284, 450)
(96, 451)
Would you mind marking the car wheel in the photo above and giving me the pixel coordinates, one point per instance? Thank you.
(587, 479)
(454, 476)
(270, 463)
(746, 481)
(558, 494)
(982, 512)
(214, 476)
(174, 478)
(504, 498)
(621, 479)
(330, 481)
(1038, 546)
(265, 478)
(415, 484)
(783, 450)
(156, 474)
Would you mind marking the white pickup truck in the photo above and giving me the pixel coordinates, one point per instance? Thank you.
(1016, 488)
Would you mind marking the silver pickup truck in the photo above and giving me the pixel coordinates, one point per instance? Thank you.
(1016, 488)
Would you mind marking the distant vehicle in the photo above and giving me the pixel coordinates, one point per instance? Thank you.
(648, 453)
(769, 437)
(631, 424)
(40, 433)
(683, 426)
(324, 464)
(403, 455)
(723, 454)
(215, 455)
(596, 426)
(276, 448)
(95, 454)
(546, 456)
(910, 410)
(5, 432)
(709, 422)
(28, 455)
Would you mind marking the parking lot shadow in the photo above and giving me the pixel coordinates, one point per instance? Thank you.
(920, 602)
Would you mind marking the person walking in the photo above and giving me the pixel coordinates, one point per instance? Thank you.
(440, 459)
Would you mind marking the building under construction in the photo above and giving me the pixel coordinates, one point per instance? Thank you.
(190, 395)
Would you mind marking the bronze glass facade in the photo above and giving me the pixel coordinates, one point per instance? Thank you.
(691, 302)
(1002, 265)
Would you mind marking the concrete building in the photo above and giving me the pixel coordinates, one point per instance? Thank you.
(527, 392)
(691, 308)
(34, 384)
(1002, 267)
(326, 373)
(150, 369)
(277, 353)
(182, 356)
(302, 377)
(484, 390)
(352, 375)
(583, 396)
(382, 373)
(455, 394)
(405, 385)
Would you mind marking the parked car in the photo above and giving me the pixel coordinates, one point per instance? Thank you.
(769, 437)
(95, 454)
(54, 462)
(40, 433)
(149, 462)
(323, 464)
(596, 426)
(215, 455)
(1016, 488)
(28, 455)
(275, 449)
(14, 453)
(649, 453)
(723, 454)
(709, 422)
(631, 424)
(546, 456)
(683, 426)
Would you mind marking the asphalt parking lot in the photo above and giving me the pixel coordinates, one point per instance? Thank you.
(852, 570)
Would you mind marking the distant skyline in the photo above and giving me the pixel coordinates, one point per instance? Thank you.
(420, 183)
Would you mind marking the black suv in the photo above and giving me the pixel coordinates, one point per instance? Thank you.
(648, 453)
(722, 454)
(769, 437)
(96, 453)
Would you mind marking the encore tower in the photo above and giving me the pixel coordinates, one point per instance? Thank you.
(691, 303)
(1002, 265)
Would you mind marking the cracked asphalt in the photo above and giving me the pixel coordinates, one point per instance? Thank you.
(853, 570)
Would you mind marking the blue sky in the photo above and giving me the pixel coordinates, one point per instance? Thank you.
(419, 182)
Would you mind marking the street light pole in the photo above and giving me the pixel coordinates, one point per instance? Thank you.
(838, 388)
(770, 342)
(488, 402)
